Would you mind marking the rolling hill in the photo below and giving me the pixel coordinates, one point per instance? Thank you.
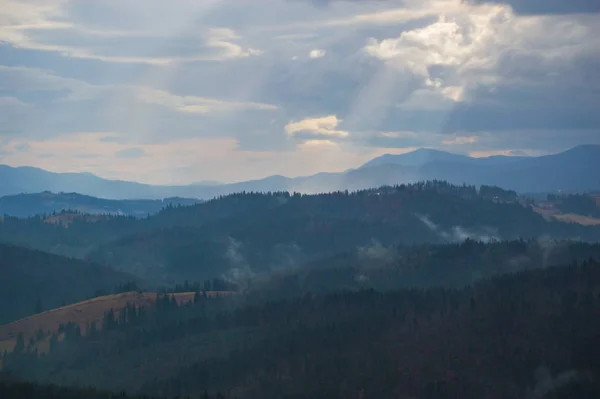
(508, 336)
(25, 205)
(244, 234)
(81, 313)
(576, 169)
(31, 278)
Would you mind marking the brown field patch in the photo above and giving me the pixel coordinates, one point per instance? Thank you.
(82, 313)
(573, 218)
(553, 214)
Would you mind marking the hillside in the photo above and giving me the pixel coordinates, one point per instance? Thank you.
(28, 390)
(82, 314)
(25, 205)
(249, 233)
(572, 170)
(31, 278)
(507, 336)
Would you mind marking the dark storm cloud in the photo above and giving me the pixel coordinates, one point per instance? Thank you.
(538, 7)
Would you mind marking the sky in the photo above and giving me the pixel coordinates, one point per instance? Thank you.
(174, 92)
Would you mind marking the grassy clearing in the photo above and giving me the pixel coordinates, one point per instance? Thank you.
(554, 214)
(82, 313)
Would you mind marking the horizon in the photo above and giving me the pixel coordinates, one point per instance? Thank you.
(216, 90)
(209, 182)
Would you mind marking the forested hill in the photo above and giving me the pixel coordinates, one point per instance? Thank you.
(33, 281)
(251, 232)
(27, 390)
(531, 334)
(25, 205)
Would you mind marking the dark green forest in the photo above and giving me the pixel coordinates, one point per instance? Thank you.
(263, 231)
(34, 281)
(26, 390)
(581, 204)
(425, 291)
(26, 205)
(503, 337)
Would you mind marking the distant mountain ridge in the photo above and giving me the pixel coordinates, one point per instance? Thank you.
(25, 205)
(577, 169)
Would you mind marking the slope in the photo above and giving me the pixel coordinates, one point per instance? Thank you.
(25, 205)
(31, 278)
(82, 314)
(502, 337)
(248, 233)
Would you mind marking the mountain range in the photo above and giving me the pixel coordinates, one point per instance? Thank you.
(25, 205)
(577, 169)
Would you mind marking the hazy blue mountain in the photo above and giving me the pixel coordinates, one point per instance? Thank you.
(33, 180)
(577, 169)
(418, 157)
(424, 156)
(24, 205)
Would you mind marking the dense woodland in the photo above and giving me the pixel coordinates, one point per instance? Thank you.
(509, 336)
(27, 205)
(581, 204)
(33, 281)
(415, 291)
(264, 231)
(28, 390)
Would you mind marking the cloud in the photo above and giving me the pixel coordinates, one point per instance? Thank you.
(18, 79)
(549, 6)
(455, 44)
(376, 251)
(59, 105)
(131, 152)
(398, 135)
(460, 50)
(475, 77)
(22, 147)
(193, 104)
(506, 153)
(460, 140)
(317, 53)
(12, 102)
(39, 26)
(325, 126)
(318, 144)
(458, 233)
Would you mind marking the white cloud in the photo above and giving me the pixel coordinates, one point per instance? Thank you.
(412, 10)
(193, 104)
(24, 79)
(325, 126)
(31, 25)
(467, 42)
(429, 73)
(223, 38)
(12, 102)
(318, 144)
(21, 79)
(317, 53)
(461, 140)
(398, 135)
(506, 153)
